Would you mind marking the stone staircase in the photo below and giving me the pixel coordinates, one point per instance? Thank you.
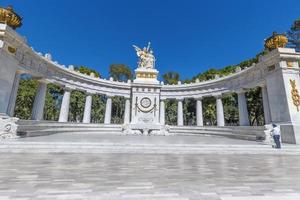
(30, 128)
(237, 132)
(129, 148)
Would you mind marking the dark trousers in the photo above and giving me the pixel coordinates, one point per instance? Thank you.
(277, 141)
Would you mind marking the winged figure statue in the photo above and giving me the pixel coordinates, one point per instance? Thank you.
(146, 57)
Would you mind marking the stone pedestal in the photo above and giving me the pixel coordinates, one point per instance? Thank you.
(145, 110)
(8, 127)
(283, 92)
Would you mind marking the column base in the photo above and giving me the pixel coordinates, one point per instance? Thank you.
(8, 127)
(142, 129)
(290, 133)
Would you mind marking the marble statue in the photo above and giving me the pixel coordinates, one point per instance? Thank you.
(146, 57)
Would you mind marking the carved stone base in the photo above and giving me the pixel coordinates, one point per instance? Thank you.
(142, 129)
(8, 127)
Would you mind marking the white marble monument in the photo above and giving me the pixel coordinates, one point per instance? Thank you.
(145, 110)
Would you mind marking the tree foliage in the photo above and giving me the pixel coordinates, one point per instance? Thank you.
(171, 78)
(294, 35)
(25, 97)
(86, 70)
(120, 72)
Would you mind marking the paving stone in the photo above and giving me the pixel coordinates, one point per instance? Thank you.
(149, 176)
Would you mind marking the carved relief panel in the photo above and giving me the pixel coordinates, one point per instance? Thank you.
(145, 106)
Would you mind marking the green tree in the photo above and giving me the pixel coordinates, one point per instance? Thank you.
(171, 112)
(171, 78)
(209, 111)
(118, 110)
(294, 35)
(52, 102)
(231, 113)
(25, 97)
(98, 108)
(86, 70)
(255, 106)
(189, 110)
(77, 103)
(120, 72)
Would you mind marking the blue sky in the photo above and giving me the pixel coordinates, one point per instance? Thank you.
(187, 36)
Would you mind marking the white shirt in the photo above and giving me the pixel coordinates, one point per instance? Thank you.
(276, 131)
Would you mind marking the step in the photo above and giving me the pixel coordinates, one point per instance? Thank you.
(77, 147)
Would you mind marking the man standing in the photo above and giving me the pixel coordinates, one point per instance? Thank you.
(276, 135)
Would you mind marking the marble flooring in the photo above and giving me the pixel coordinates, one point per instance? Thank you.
(149, 177)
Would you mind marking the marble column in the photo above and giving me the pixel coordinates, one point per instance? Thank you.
(267, 114)
(180, 112)
(107, 117)
(199, 114)
(65, 106)
(162, 112)
(39, 101)
(127, 111)
(13, 95)
(220, 111)
(243, 110)
(87, 108)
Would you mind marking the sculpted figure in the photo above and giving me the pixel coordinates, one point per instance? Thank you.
(146, 57)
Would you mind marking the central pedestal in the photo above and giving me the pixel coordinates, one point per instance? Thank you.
(145, 104)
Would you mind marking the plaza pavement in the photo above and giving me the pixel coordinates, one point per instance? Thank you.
(147, 176)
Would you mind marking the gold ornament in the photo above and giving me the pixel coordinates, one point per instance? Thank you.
(276, 41)
(295, 94)
(9, 17)
(290, 64)
(11, 49)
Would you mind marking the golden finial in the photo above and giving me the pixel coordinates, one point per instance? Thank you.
(276, 41)
(9, 17)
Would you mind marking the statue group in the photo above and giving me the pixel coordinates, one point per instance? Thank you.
(146, 57)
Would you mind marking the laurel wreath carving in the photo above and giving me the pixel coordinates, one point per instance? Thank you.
(295, 94)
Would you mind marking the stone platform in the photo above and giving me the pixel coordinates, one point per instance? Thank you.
(107, 143)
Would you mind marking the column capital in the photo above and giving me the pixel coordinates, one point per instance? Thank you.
(69, 88)
(127, 97)
(109, 95)
(199, 98)
(217, 95)
(41, 80)
(90, 92)
(179, 98)
(242, 90)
